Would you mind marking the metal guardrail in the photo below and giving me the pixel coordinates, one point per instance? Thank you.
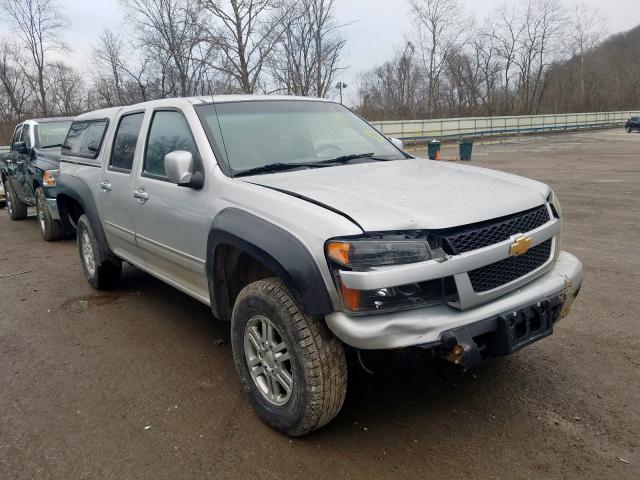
(498, 126)
(3, 149)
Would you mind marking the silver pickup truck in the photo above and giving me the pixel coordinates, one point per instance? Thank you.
(313, 234)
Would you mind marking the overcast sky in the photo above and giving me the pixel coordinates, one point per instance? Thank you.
(373, 27)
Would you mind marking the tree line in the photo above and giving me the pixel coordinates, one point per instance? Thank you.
(168, 48)
(526, 57)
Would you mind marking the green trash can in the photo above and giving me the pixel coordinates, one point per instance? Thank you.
(466, 148)
(433, 148)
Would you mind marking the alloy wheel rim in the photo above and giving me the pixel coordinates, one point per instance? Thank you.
(40, 214)
(268, 360)
(87, 253)
(9, 202)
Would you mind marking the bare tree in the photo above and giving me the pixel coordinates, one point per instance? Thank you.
(67, 89)
(540, 45)
(504, 30)
(15, 91)
(308, 56)
(586, 31)
(171, 32)
(246, 32)
(126, 78)
(394, 88)
(38, 24)
(441, 26)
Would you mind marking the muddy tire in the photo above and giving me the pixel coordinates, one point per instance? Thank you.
(17, 209)
(291, 366)
(50, 228)
(101, 268)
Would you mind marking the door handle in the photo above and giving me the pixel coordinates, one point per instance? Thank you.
(105, 186)
(141, 195)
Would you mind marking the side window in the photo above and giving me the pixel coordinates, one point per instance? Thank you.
(26, 138)
(169, 132)
(124, 143)
(16, 135)
(85, 138)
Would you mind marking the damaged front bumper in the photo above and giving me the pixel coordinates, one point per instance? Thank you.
(433, 326)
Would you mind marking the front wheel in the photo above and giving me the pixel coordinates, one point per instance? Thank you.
(290, 364)
(50, 228)
(101, 268)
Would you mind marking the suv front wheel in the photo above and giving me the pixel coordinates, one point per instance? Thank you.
(290, 364)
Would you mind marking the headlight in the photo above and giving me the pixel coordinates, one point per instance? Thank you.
(364, 254)
(557, 212)
(50, 178)
(555, 204)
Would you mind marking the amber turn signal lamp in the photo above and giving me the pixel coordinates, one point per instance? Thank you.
(49, 179)
(339, 251)
(350, 298)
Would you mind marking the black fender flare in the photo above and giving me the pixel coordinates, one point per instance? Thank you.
(277, 249)
(79, 191)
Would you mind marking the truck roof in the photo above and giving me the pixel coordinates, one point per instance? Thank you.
(31, 121)
(111, 113)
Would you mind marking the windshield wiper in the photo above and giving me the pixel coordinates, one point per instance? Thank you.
(277, 167)
(52, 146)
(355, 156)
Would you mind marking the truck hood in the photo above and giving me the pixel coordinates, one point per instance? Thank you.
(410, 194)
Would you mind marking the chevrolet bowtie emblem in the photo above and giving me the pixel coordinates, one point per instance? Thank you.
(520, 246)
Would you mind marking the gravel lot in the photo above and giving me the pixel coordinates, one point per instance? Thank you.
(140, 383)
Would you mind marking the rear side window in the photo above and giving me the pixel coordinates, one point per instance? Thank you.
(124, 143)
(85, 138)
(169, 132)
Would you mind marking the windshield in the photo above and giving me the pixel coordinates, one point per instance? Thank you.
(52, 134)
(255, 134)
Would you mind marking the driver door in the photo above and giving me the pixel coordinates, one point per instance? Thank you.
(19, 165)
(171, 221)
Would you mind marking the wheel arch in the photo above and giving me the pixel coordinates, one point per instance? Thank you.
(280, 253)
(74, 199)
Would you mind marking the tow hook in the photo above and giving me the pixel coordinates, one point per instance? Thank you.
(460, 349)
(455, 354)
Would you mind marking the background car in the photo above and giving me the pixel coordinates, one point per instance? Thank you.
(632, 124)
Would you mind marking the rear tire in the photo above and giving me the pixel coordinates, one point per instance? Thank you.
(101, 268)
(17, 209)
(276, 344)
(51, 229)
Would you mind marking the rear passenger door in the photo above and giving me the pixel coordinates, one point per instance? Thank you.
(171, 221)
(116, 185)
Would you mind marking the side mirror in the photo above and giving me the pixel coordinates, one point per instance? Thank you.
(20, 147)
(397, 142)
(179, 167)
